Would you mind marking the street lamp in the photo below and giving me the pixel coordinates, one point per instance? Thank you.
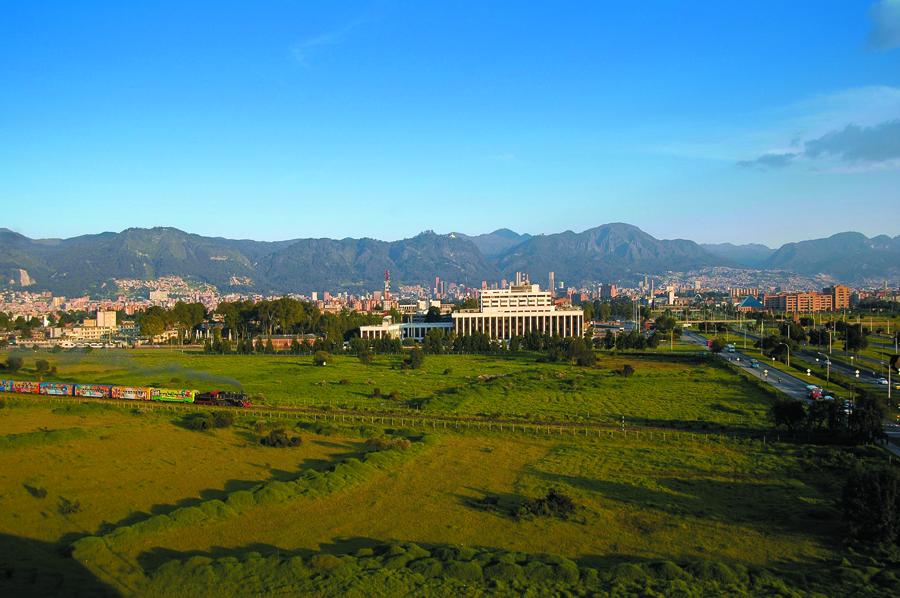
(828, 364)
(808, 372)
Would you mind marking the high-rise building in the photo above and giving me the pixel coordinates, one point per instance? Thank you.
(106, 319)
(840, 296)
(552, 286)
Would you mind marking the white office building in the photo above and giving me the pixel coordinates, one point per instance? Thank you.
(517, 311)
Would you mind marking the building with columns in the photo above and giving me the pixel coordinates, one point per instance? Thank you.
(517, 311)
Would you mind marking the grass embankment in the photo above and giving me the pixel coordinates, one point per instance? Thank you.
(749, 504)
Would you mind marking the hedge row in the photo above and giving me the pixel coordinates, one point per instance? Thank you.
(96, 551)
(409, 569)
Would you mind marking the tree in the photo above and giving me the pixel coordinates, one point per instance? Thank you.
(871, 504)
(270, 348)
(42, 366)
(855, 339)
(14, 363)
(321, 358)
(788, 413)
(433, 314)
(365, 356)
(867, 419)
(415, 359)
(717, 345)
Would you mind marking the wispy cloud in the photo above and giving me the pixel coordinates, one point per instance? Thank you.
(305, 49)
(885, 34)
(770, 160)
(853, 130)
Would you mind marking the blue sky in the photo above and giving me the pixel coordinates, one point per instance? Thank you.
(714, 121)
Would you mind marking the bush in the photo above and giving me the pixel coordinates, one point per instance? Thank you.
(321, 358)
(68, 507)
(14, 363)
(224, 419)
(279, 439)
(36, 491)
(627, 370)
(463, 570)
(201, 421)
(871, 503)
(394, 396)
(42, 366)
(554, 504)
(414, 360)
(376, 392)
(383, 443)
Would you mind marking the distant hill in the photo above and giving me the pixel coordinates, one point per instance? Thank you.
(846, 256)
(497, 243)
(72, 266)
(608, 252)
(611, 252)
(751, 255)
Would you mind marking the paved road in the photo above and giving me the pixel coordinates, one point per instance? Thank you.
(787, 383)
(795, 387)
(869, 372)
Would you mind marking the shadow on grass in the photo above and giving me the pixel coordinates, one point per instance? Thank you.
(33, 568)
(220, 493)
(768, 507)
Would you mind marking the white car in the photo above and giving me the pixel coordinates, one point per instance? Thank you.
(882, 381)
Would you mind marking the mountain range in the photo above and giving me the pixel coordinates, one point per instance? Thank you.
(611, 252)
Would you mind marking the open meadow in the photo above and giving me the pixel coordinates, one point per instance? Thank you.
(664, 390)
(360, 508)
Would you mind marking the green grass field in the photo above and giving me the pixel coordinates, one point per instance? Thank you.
(163, 510)
(663, 391)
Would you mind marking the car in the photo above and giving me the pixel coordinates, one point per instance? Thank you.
(754, 363)
(882, 381)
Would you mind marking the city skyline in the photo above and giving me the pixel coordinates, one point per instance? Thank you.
(378, 120)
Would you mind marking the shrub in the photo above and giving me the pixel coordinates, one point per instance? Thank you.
(42, 366)
(14, 363)
(383, 443)
(554, 504)
(394, 396)
(224, 419)
(343, 382)
(201, 421)
(414, 360)
(448, 371)
(505, 572)
(627, 370)
(68, 507)
(279, 439)
(871, 503)
(463, 570)
(321, 358)
(376, 392)
(36, 491)
(427, 567)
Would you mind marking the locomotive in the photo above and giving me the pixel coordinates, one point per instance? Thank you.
(219, 398)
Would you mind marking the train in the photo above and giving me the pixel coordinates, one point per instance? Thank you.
(217, 398)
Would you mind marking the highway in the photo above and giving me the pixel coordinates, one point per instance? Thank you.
(796, 387)
(870, 369)
(787, 383)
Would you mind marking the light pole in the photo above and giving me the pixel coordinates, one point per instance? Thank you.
(828, 364)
